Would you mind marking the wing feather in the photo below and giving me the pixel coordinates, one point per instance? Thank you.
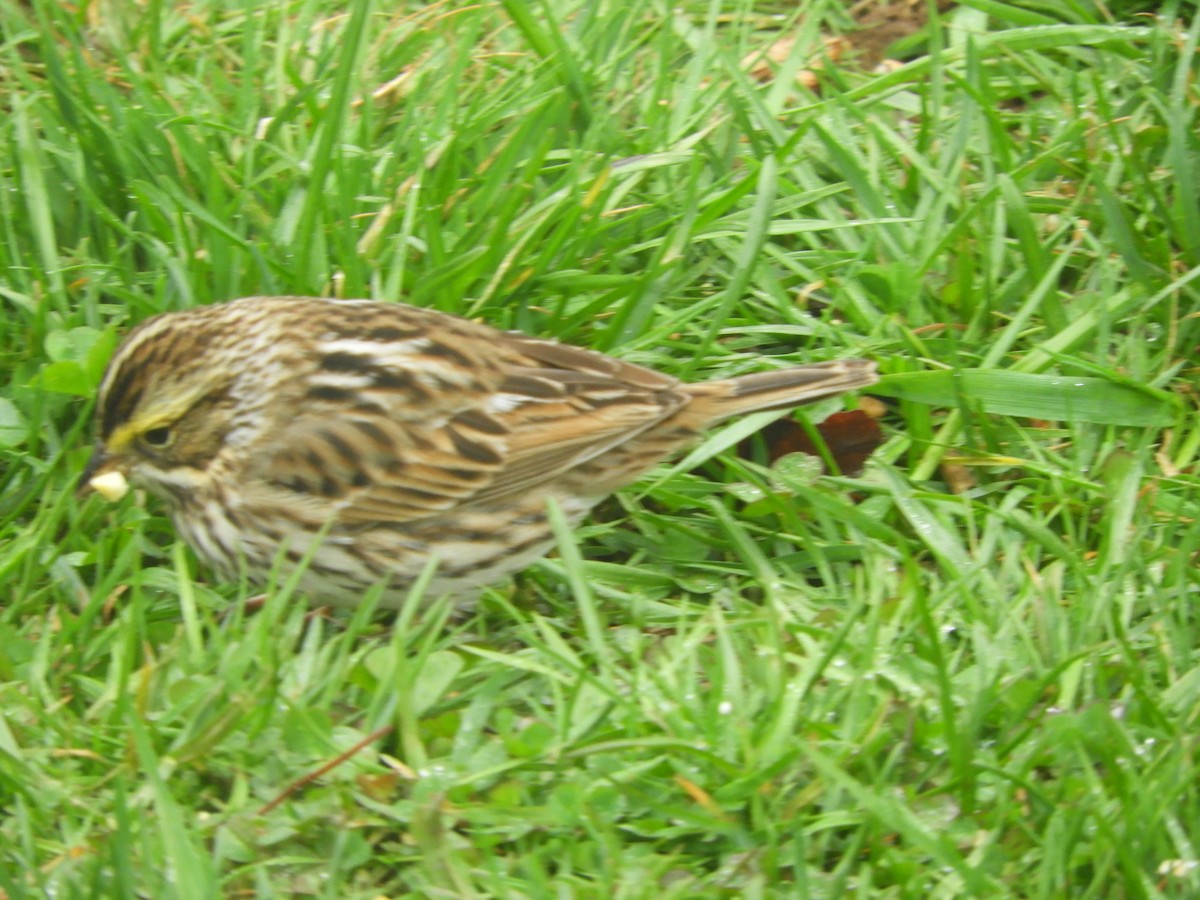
(530, 410)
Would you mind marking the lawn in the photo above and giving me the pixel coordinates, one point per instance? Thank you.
(970, 670)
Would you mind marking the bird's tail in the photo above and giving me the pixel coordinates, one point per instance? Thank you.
(780, 389)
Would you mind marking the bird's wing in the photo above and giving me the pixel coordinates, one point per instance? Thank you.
(464, 427)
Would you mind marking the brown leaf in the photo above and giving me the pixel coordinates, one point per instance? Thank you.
(850, 437)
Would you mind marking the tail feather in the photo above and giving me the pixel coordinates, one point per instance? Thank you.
(781, 389)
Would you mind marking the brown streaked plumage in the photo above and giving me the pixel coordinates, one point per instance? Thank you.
(389, 434)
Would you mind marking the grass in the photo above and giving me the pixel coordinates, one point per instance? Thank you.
(971, 671)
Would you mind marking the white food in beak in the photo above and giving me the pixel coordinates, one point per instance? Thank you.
(112, 486)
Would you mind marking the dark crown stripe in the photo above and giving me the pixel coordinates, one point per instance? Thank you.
(119, 402)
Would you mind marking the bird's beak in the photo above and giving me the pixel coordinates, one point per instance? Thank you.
(103, 477)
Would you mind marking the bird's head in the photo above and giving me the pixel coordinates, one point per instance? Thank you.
(166, 407)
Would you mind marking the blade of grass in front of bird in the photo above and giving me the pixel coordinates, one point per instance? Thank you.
(757, 229)
(1059, 398)
(188, 863)
(589, 612)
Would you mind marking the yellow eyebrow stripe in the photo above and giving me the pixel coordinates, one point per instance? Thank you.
(123, 435)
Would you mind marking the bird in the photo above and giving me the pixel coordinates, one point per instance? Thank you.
(363, 441)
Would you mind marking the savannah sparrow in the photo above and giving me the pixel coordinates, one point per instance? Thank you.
(390, 434)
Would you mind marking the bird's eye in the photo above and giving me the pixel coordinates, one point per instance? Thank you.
(157, 437)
